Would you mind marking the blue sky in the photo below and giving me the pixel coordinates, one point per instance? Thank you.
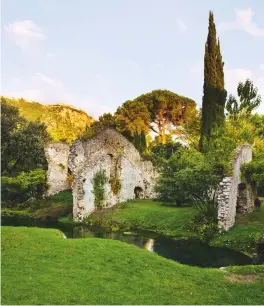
(96, 54)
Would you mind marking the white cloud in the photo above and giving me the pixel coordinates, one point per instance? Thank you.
(261, 67)
(181, 25)
(48, 80)
(25, 33)
(244, 22)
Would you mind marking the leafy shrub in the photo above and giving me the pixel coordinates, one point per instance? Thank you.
(187, 176)
(208, 231)
(99, 182)
(21, 188)
(207, 211)
(205, 221)
(253, 172)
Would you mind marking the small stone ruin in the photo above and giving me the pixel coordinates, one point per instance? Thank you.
(112, 152)
(108, 151)
(234, 195)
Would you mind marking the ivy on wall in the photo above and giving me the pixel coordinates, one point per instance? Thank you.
(99, 181)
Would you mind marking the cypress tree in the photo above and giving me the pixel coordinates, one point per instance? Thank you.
(214, 94)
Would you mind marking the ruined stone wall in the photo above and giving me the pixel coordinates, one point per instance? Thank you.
(57, 157)
(228, 191)
(112, 152)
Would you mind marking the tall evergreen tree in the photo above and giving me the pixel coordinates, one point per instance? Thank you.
(214, 94)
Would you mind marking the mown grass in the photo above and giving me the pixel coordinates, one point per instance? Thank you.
(40, 267)
(146, 215)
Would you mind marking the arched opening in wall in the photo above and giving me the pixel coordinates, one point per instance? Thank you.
(138, 191)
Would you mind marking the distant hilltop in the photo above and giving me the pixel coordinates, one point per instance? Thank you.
(64, 122)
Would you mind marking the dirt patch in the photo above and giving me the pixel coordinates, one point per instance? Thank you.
(247, 278)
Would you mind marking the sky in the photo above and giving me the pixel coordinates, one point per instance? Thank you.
(97, 54)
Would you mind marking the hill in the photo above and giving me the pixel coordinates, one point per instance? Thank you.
(64, 122)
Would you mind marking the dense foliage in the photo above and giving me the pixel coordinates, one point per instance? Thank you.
(23, 142)
(254, 173)
(23, 161)
(105, 121)
(160, 111)
(214, 94)
(22, 187)
(64, 123)
(99, 181)
(188, 176)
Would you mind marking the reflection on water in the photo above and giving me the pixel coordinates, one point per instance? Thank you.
(149, 245)
(191, 252)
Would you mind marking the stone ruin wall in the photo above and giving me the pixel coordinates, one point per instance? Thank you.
(112, 152)
(57, 157)
(234, 195)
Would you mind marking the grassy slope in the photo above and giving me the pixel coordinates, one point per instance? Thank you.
(40, 267)
(147, 215)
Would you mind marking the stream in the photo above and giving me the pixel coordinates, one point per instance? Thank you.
(192, 252)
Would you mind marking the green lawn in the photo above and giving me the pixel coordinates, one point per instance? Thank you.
(146, 215)
(40, 267)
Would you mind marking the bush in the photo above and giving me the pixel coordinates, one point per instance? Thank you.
(99, 182)
(21, 188)
(253, 172)
(208, 231)
(205, 221)
(187, 177)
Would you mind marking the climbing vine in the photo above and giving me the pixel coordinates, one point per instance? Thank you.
(99, 181)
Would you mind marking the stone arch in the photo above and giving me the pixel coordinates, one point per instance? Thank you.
(138, 191)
